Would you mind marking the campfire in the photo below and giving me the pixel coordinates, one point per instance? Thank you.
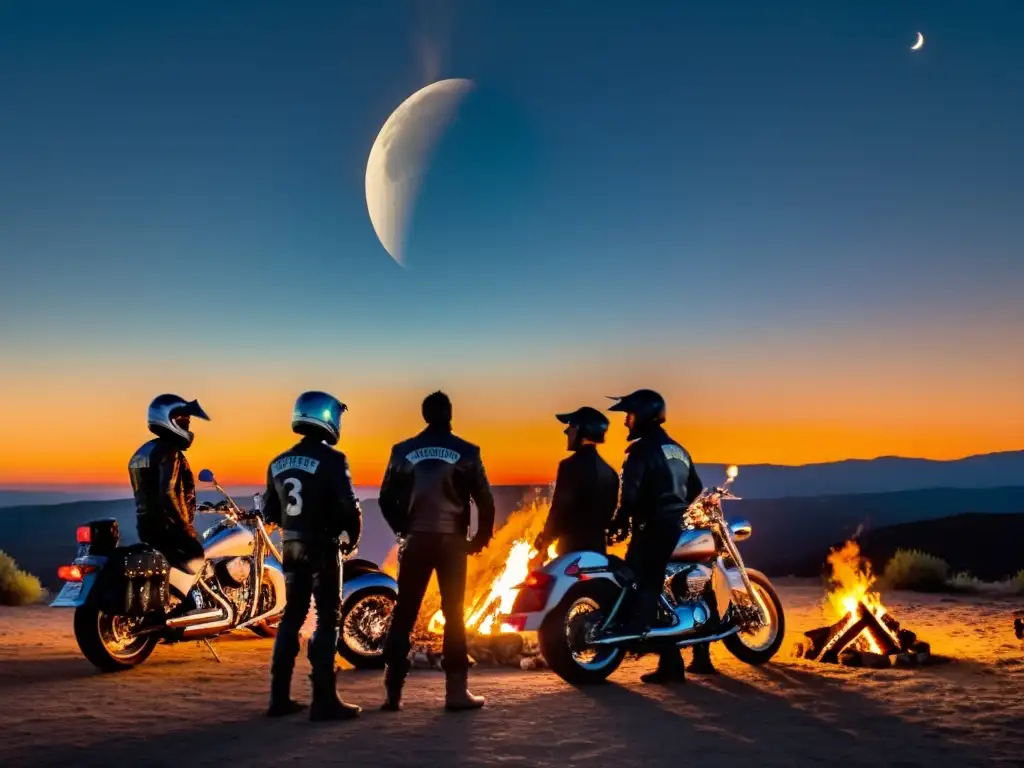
(865, 634)
(491, 582)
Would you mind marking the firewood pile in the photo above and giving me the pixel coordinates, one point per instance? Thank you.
(863, 639)
(506, 649)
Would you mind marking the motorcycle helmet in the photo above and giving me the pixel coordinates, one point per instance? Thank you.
(584, 424)
(647, 408)
(169, 416)
(318, 414)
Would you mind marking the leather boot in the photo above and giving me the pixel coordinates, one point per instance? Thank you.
(281, 702)
(670, 670)
(457, 695)
(701, 664)
(394, 681)
(326, 704)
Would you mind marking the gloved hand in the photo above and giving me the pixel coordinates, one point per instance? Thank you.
(477, 545)
(346, 545)
(617, 533)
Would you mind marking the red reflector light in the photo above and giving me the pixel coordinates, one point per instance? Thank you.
(537, 579)
(73, 572)
(84, 534)
(515, 623)
(573, 568)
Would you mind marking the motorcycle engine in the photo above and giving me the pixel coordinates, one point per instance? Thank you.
(686, 583)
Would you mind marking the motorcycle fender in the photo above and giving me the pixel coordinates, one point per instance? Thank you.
(365, 581)
(593, 565)
(276, 575)
(75, 593)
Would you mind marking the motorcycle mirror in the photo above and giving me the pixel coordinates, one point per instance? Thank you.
(732, 471)
(206, 476)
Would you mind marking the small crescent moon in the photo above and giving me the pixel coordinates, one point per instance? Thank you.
(919, 44)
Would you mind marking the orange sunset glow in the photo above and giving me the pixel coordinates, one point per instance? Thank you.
(860, 400)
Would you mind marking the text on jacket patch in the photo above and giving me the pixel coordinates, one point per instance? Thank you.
(443, 454)
(285, 463)
(675, 452)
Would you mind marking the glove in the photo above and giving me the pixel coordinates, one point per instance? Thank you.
(346, 545)
(617, 533)
(476, 545)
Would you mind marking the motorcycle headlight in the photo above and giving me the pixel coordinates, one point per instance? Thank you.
(209, 532)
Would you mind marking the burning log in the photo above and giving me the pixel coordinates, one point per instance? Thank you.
(867, 635)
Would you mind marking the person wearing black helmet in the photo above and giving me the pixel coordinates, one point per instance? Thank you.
(164, 486)
(586, 488)
(310, 496)
(659, 482)
(425, 498)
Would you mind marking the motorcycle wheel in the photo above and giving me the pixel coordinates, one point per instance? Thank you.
(365, 618)
(560, 636)
(105, 640)
(269, 627)
(742, 645)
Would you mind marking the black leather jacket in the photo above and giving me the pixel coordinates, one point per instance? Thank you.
(586, 494)
(310, 494)
(164, 488)
(659, 482)
(428, 485)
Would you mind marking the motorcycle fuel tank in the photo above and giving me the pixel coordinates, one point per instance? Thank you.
(694, 545)
(233, 542)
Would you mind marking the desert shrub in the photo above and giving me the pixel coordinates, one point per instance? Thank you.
(16, 586)
(1017, 583)
(964, 582)
(914, 570)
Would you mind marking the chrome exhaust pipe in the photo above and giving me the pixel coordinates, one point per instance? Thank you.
(225, 613)
(706, 639)
(195, 618)
(688, 618)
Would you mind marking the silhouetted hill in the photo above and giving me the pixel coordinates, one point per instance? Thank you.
(887, 474)
(990, 547)
(42, 537)
(792, 536)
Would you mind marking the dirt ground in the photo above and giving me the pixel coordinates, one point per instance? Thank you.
(183, 708)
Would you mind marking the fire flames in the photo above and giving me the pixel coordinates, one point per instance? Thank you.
(492, 575)
(481, 615)
(852, 585)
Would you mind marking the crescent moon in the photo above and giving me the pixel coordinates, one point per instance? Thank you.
(919, 44)
(401, 155)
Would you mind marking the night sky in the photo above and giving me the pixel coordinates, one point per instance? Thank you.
(807, 236)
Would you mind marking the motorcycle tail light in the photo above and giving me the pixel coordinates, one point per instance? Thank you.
(84, 534)
(74, 572)
(533, 593)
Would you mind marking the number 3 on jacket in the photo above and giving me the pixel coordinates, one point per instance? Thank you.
(294, 487)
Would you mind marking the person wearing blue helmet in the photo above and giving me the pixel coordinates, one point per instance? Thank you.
(311, 498)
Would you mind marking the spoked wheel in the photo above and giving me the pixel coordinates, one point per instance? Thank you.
(566, 635)
(365, 618)
(109, 641)
(268, 597)
(759, 643)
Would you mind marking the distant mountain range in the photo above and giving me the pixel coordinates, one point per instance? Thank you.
(756, 481)
(797, 512)
(887, 474)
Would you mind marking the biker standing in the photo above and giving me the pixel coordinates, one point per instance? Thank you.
(425, 498)
(310, 496)
(659, 482)
(586, 488)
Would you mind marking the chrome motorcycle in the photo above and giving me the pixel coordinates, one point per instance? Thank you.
(576, 602)
(129, 599)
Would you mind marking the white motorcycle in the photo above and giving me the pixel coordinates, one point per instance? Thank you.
(129, 599)
(575, 602)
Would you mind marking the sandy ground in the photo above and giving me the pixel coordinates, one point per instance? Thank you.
(183, 708)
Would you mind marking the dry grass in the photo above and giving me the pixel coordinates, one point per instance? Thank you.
(16, 586)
